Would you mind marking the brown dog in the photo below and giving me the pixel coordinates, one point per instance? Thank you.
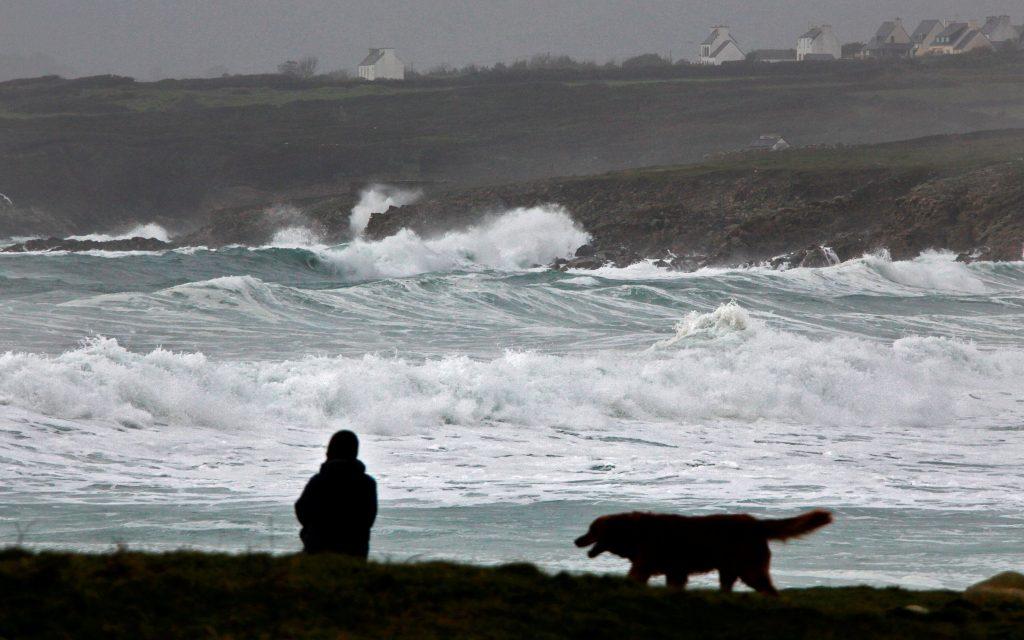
(676, 546)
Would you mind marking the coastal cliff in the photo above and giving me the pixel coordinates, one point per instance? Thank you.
(802, 207)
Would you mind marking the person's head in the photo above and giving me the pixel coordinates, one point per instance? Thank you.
(344, 445)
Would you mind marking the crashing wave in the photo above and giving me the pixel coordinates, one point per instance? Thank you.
(727, 319)
(150, 230)
(514, 240)
(769, 375)
(377, 199)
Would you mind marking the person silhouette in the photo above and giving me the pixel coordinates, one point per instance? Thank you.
(339, 504)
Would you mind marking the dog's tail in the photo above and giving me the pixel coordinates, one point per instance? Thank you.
(795, 527)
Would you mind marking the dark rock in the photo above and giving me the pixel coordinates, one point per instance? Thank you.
(776, 216)
(974, 255)
(814, 257)
(626, 258)
(583, 263)
(688, 263)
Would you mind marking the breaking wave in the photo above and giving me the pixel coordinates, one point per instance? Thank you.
(766, 374)
(930, 272)
(151, 230)
(514, 240)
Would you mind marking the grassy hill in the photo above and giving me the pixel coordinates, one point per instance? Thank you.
(90, 153)
(192, 595)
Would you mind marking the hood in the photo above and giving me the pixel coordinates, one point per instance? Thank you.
(347, 467)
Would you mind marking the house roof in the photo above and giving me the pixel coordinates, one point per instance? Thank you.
(993, 23)
(767, 141)
(953, 31)
(923, 29)
(372, 57)
(885, 30)
(968, 37)
(812, 34)
(710, 40)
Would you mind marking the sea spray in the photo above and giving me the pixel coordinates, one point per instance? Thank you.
(513, 240)
(150, 230)
(377, 199)
(727, 319)
(295, 237)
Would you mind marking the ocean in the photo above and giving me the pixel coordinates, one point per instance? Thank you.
(181, 399)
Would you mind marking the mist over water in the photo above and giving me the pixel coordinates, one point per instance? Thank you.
(187, 395)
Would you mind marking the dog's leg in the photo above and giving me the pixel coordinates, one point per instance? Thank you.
(760, 581)
(725, 580)
(638, 574)
(676, 580)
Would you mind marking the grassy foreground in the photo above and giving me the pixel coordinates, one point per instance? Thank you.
(196, 595)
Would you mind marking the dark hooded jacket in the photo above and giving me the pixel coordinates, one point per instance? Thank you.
(337, 509)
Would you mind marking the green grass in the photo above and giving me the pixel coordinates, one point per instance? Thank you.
(194, 595)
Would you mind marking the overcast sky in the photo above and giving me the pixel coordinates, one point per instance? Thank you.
(178, 38)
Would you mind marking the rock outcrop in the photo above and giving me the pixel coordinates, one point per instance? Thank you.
(64, 244)
(688, 218)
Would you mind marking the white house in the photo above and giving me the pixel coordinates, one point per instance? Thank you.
(925, 34)
(891, 41)
(382, 64)
(960, 37)
(720, 47)
(770, 142)
(818, 44)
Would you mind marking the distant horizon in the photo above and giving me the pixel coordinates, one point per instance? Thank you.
(156, 39)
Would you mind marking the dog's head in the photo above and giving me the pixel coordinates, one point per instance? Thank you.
(608, 533)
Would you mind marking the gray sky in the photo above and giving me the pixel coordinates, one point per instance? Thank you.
(177, 38)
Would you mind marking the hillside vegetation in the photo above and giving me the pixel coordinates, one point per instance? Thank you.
(90, 154)
(193, 595)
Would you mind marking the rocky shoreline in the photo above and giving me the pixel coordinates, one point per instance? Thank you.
(72, 245)
(805, 208)
(780, 217)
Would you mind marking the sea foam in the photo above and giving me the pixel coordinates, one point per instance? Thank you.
(727, 404)
(150, 230)
(721, 365)
(514, 240)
